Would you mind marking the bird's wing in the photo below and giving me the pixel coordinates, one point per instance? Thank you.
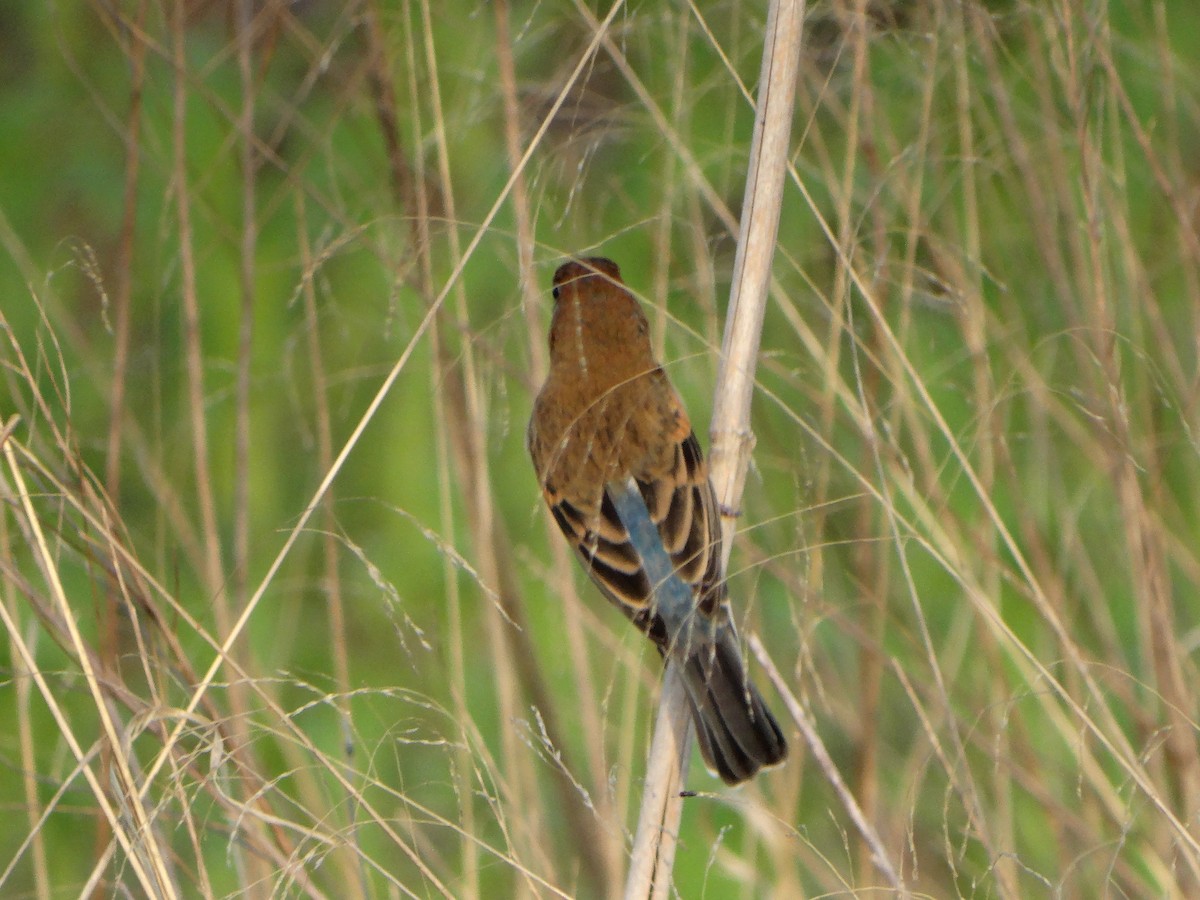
(654, 546)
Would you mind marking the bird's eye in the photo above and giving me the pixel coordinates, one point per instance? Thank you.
(555, 293)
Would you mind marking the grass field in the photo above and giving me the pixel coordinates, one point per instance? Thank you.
(283, 614)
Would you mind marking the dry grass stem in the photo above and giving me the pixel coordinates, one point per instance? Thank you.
(283, 614)
(732, 439)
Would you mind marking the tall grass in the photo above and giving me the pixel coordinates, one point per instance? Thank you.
(283, 613)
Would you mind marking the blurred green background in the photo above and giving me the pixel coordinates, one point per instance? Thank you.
(969, 536)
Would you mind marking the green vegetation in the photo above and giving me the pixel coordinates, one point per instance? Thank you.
(970, 540)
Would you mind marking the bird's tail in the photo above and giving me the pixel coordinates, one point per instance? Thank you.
(737, 733)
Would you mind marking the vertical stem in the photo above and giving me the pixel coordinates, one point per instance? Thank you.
(732, 440)
(241, 441)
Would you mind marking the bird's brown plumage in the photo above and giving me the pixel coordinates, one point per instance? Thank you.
(606, 422)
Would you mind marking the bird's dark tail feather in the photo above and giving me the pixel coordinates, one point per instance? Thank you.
(737, 733)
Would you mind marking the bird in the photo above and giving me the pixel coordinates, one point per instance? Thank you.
(623, 475)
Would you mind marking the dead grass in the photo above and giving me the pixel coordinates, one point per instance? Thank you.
(283, 614)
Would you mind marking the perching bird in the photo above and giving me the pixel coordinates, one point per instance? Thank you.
(623, 475)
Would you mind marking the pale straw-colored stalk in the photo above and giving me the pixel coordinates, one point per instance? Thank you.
(732, 439)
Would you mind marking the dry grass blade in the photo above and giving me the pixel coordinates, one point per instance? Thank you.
(283, 614)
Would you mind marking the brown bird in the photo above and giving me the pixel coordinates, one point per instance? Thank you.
(623, 475)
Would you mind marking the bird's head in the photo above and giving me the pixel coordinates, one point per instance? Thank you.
(598, 325)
